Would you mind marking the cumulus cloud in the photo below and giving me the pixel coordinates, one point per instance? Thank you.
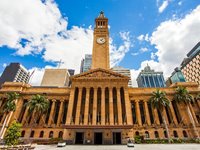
(118, 53)
(143, 37)
(34, 27)
(144, 49)
(162, 5)
(173, 39)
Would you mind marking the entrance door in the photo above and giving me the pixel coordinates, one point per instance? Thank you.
(98, 138)
(79, 138)
(116, 137)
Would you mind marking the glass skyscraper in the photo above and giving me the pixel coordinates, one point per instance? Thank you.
(86, 63)
(150, 78)
(177, 76)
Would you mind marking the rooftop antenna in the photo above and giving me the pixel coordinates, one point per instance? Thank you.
(60, 63)
(31, 76)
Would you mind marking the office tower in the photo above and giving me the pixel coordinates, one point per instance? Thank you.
(150, 78)
(55, 77)
(15, 72)
(123, 71)
(86, 63)
(190, 66)
(176, 76)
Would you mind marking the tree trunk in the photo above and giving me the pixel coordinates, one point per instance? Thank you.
(166, 127)
(192, 121)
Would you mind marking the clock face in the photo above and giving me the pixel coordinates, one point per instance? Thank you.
(101, 40)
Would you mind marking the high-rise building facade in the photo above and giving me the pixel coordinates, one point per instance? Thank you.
(86, 63)
(150, 78)
(125, 72)
(177, 76)
(55, 77)
(190, 66)
(100, 108)
(15, 72)
(71, 72)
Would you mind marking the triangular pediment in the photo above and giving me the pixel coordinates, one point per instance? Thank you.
(99, 73)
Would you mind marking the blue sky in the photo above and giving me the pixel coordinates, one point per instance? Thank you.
(39, 33)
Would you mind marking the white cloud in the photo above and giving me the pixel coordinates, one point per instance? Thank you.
(153, 56)
(143, 37)
(163, 6)
(4, 65)
(143, 49)
(135, 54)
(173, 39)
(118, 53)
(35, 26)
(37, 76)
(180, 3)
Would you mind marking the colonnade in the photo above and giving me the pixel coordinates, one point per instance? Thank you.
(98, 106)
(143, 113)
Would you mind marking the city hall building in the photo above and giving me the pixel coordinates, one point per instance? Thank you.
(99, 107)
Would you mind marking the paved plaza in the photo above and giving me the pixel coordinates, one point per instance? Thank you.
(123, 147)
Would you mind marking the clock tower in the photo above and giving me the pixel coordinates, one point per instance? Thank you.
(100, 52)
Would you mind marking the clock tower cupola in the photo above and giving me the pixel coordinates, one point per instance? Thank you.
(100, 52)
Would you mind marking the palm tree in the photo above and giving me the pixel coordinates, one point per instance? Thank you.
(7, 107)
(182, 96)
(159, 101)
(39, 104)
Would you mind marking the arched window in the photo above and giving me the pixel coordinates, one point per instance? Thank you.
(51, 134)
(32, 133)
(41, 134)
(137, 133)
(23, 133)
(175, 134)
(185, 134)
(165, 134)
(146, 134)
(60, 135)
(156, 134)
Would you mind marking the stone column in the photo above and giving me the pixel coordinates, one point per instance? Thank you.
(19, 105)
(155, 114)
(138, 115)
(51, 112)
(111, 111)
(86, 113)
(147, 113)
(60, 112)
(70, 107)
(25, 116)
(103, 112)
(119, 107)
(128, 107)
(173, 114)
(198, 102)
(78, 108)
(94, 114)
(193, 114)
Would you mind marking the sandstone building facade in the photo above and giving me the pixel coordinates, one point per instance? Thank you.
(99, 107)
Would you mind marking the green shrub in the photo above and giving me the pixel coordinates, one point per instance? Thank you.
(13, 134)
(138, 139)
